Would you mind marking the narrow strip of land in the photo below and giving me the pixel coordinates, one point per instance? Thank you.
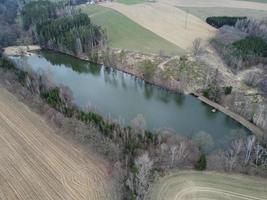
(253, 128)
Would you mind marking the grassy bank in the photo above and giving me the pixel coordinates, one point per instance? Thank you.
(123, 33)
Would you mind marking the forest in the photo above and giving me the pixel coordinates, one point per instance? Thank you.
(8, 29)
(75, 35)
(220, 21)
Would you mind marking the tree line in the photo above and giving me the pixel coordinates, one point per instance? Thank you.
(220, 21)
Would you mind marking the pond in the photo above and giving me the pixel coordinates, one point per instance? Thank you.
(122, 96)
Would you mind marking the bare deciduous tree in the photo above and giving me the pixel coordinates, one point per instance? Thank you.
(231, 155)
(249, 147)
(144, 165)
(196, 47)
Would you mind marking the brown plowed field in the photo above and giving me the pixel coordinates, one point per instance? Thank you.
(36, 163)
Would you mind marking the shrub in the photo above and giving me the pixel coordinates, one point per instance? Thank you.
(218, 22)
(201, 163)
(228, 90)
(149, 69)
(7, 64)
(213, 93)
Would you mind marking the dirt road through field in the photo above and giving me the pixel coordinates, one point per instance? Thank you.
(167, 21)
(37, 164)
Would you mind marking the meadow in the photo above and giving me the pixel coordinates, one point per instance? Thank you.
(123, 33)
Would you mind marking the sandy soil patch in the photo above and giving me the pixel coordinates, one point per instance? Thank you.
(167, 21)
(37, 164)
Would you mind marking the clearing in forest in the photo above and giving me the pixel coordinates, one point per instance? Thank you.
(190, 185)
(167, 21)
(123, 33)
(37, 164)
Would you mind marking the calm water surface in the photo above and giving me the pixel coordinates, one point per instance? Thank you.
(119, 95)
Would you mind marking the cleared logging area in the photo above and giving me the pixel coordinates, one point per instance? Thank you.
(35, 163)
(189, 185)
(168, 22)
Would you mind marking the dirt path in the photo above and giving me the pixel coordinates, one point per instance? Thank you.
(35, 163)
(192, 185)
(167, 21)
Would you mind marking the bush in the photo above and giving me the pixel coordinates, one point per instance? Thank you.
(213, 93)
(201, 163)
(218, 22)
(7, 64)
(149, 69)
(228, 90)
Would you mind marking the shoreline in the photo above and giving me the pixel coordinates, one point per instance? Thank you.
(238, 118)
(250, 126)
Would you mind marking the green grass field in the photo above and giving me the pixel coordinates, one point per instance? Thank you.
(129, 2)
(123, 33)
(203, 13)
(259, 1)
(191, 185)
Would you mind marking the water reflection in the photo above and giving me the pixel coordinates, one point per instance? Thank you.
(122, 96)
(75, 64)
(179, 100)
(148, 91)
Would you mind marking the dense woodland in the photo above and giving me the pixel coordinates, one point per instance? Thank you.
(75, 35)
(62, 28)
(219, 21)
(38, 12)
(8, 29)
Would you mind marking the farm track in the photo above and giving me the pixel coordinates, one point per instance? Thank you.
(35, 163)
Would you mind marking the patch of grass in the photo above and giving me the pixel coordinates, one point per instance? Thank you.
(205, 12)
(123, 33)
